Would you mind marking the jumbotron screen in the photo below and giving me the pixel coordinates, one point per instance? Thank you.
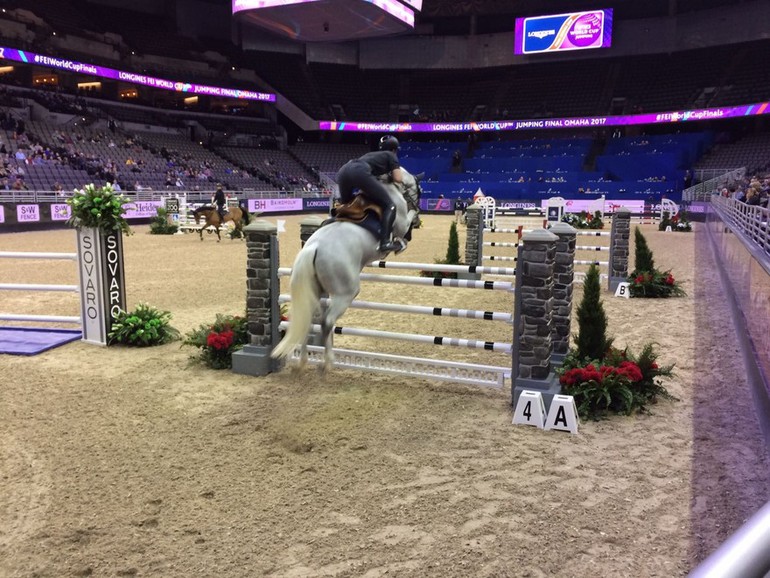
(559, 32)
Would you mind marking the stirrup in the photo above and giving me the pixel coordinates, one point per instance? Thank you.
(386, 246)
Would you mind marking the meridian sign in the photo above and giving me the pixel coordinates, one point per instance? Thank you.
(560, 32)
(760, 108)
(130, 77)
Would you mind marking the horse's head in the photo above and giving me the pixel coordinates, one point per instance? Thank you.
(197, 214)
(412, 189)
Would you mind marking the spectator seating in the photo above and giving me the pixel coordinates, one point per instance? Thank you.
(752, 152)
(327, 158)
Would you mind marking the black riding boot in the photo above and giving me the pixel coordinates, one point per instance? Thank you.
(386, 229)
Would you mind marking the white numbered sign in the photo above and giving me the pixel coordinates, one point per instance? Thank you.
(530, 409)
(623, 290)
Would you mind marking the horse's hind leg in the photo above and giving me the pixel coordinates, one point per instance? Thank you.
(338, 304)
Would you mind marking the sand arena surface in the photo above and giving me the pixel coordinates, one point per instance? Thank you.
(132, 462)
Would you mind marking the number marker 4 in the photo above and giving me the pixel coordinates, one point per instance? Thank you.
(530, 409)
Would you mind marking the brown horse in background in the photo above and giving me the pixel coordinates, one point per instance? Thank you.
(238, 215)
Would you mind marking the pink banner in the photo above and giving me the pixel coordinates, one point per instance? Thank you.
(27, 213)
(142, 210)
(610, 205)
(60, 212)
(274, 205)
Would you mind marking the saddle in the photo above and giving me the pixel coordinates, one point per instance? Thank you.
(356, 211)
(366, 214)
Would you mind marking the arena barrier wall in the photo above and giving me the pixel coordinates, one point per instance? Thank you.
(740, 236)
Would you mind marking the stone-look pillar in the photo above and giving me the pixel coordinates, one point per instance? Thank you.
(262, 289)
(474, 235)
(533, 311)
(307, 227)
(619, 247)
(563, 277)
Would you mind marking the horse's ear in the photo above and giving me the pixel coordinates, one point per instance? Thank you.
(419, 177)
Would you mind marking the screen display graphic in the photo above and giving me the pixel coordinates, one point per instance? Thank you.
(560, 32)
(241, 5)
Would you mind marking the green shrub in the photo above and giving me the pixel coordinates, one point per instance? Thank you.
(646, 280)
(643, 260)
(452, 257)
(143, 327)
(453, 247)
(218, 341)
(160, 225)
(592, 341)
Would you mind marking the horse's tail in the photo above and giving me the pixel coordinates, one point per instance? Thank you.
(305, 298)
(245, 212)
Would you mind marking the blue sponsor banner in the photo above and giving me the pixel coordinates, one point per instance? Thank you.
(559, 32)
(316, 204)
(436, 205)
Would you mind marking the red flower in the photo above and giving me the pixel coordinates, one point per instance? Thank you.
(639, 279)
(670, 279)
(220, 341)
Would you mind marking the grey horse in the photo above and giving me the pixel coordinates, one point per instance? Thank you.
(330, 264)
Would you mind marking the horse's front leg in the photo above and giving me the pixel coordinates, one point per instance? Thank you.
(200, 231)
(219, 238)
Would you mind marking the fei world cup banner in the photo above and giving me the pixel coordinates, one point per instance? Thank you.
(559, 32)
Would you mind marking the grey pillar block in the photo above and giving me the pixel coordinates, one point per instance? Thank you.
(563, 275)
(619, 247)
(262, 290)
(533, 315)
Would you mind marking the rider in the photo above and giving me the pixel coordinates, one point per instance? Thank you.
(360, 173)
(220, 200)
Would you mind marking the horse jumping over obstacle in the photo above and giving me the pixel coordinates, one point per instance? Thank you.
(331, 263)
(239, 216)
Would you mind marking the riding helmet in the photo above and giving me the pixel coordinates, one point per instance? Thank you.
(389, 143)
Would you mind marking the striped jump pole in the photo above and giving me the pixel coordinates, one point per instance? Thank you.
(416, 338)
(403, 280)
(420, 309)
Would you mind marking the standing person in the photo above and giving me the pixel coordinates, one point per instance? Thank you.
(459, 208)
(220, 200)
(361, 174)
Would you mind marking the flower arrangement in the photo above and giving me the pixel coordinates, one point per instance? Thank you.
(218, 341)
(601, 378)
(144, 326)
(646, 280)
(654, 284)
(678, 222)
(583, 220)
(98, 207)
(619, 382)
(160, 225)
